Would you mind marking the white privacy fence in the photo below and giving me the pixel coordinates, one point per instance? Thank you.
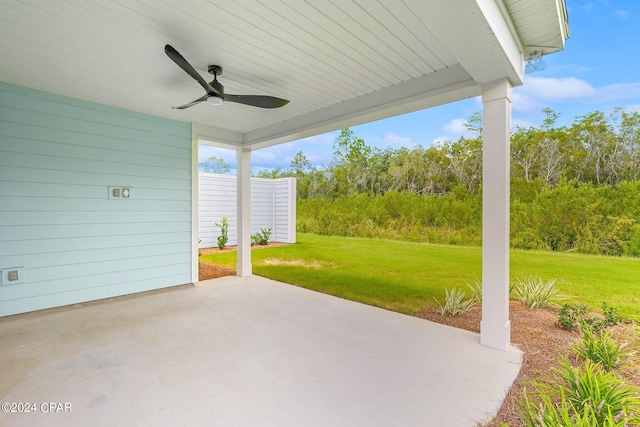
(273, 205)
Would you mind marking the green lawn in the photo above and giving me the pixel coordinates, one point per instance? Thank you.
(404, 276)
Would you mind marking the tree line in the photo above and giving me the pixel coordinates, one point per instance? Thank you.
(596, 148)
(572, 187)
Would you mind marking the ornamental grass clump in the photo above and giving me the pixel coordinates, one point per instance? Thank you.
(455, 302)
(476, 290)
(543, 411)
(535, 292)
(600, 348)
(589, 386)
(585, 395)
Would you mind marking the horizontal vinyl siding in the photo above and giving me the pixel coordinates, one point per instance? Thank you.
(58, 157)
(270, 208)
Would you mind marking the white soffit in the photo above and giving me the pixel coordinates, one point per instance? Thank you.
(340, 63)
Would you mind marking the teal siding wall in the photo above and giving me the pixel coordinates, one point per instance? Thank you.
(58, 156)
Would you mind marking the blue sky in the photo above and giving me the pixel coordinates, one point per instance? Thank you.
(598, 71)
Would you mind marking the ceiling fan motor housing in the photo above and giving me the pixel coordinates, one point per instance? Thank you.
(215, 70)
(218, 87)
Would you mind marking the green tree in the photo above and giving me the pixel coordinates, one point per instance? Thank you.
(300, 165)
(351, 157)
(215, 165)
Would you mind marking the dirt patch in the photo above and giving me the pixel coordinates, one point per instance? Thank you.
(208, 271)
(208, 251)
(299, 263)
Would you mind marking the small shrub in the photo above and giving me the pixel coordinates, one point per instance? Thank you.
(600, 348)
(571, 315)
(262, 237)
(536, 293)
(223, 238)
(596, 324)
(611, 315)
(455, 302)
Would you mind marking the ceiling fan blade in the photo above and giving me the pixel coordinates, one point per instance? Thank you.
(261, 101)
(192, 103)
(182, 63)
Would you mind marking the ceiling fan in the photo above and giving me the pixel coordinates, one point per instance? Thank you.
(215, 91)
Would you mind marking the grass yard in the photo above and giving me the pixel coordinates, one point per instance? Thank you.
(405, 277)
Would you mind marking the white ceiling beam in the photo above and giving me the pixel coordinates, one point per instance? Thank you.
(467, 29)
(215, 136)
(449, 85)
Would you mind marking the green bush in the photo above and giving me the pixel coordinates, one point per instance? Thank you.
(611, 315)
(568, 216)
(223, 238)
(262, 237)
(571, 315)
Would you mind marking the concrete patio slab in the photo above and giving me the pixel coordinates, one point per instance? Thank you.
(245, 352)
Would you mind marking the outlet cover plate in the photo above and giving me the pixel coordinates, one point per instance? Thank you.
(12, 276)
(119, 192)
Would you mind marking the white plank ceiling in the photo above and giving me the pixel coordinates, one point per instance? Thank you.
(339, 62)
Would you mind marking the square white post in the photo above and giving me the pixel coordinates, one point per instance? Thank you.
(243, 157)
(495, 328)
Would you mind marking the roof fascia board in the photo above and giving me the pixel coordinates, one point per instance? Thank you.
(477, 34)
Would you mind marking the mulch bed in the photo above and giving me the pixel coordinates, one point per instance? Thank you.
(208, 271)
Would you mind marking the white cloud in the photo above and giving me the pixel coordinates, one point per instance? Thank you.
(538, 92)
(261, 157)
(206, 151)
(392, 139)
(551, 88)
(456, 127)
(452, 131)
(622, 13)
(317, 149)
(619, 91)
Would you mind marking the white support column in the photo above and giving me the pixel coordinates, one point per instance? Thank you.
(243, 157)
(495, 328)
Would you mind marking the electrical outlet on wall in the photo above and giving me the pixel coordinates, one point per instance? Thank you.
(119, 192)
(12, 276)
